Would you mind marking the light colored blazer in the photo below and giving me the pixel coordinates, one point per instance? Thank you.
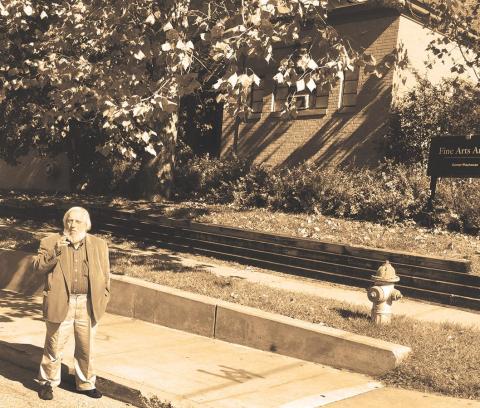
(58, 281)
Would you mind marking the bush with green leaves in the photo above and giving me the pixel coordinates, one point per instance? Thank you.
(255, 188)
(449, 108)
(209, 179)
(457, 202)
(295, 189)
(389, 193)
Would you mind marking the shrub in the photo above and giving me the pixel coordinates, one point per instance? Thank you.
(255, 188)
(208, 179)
(295, 189)
(458, 202)
(336, 191)
(387, 194)
(390, 193)
(97, 174)
(449, 108)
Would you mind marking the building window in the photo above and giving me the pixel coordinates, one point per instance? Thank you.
(321, 97)
(300, 99)
(280, 98)
(256, 101)
(349, 89)
(303, 100)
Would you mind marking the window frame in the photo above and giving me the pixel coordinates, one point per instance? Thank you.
(256, 114)
(310, 97)
(350, 81)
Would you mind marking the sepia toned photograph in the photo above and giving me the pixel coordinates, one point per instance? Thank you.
(239, 203)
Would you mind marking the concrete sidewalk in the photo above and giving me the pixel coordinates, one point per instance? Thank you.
(192, 371)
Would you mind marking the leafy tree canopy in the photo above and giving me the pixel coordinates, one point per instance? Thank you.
(122, 65)
(451, 107)
(112, 72)
(459, 22)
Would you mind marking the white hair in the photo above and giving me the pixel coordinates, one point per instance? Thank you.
(85, 216)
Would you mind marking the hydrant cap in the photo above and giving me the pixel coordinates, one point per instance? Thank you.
(386, 273)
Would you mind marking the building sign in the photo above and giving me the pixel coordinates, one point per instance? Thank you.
(454, 156)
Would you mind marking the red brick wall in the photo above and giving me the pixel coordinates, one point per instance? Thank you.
(333, 138)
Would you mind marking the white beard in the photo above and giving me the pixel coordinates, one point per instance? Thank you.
(76, 237)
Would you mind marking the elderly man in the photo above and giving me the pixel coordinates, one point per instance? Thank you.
(76, 292)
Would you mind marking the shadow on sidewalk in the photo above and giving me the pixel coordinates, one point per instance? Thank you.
(27, 357)
(17, 305)
(9, 351)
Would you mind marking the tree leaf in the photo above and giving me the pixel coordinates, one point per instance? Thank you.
(283, 9)
(312, 64)
(218, 83)
(311, 85)
(150, 19)
(28, 10)
(139, 55)
(300, 85)
(145, 136)
(279, 78)
(232, 80)
(150, 149)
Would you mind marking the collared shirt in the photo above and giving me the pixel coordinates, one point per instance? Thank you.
(78, 268)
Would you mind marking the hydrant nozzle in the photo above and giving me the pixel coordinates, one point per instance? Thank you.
(383, 293)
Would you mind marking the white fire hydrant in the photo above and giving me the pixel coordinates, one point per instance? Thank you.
(383, 293)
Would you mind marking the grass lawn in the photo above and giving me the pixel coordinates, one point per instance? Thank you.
(402, 237)
(444, 358)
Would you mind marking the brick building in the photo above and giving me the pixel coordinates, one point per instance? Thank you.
(345, 125)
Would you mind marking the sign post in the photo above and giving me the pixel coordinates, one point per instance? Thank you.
(452, 156)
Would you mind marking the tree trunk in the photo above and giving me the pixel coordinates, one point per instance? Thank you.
(236, 134)
(236, 131)
(155, 180)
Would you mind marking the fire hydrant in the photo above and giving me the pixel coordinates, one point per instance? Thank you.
(383, 293)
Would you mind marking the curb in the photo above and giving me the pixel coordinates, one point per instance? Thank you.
(210, 317)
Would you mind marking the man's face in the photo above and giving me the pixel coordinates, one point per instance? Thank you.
(75, 226)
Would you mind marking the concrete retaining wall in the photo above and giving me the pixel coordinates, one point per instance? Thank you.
(252, 327)
(307, 341)
(162, 305)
